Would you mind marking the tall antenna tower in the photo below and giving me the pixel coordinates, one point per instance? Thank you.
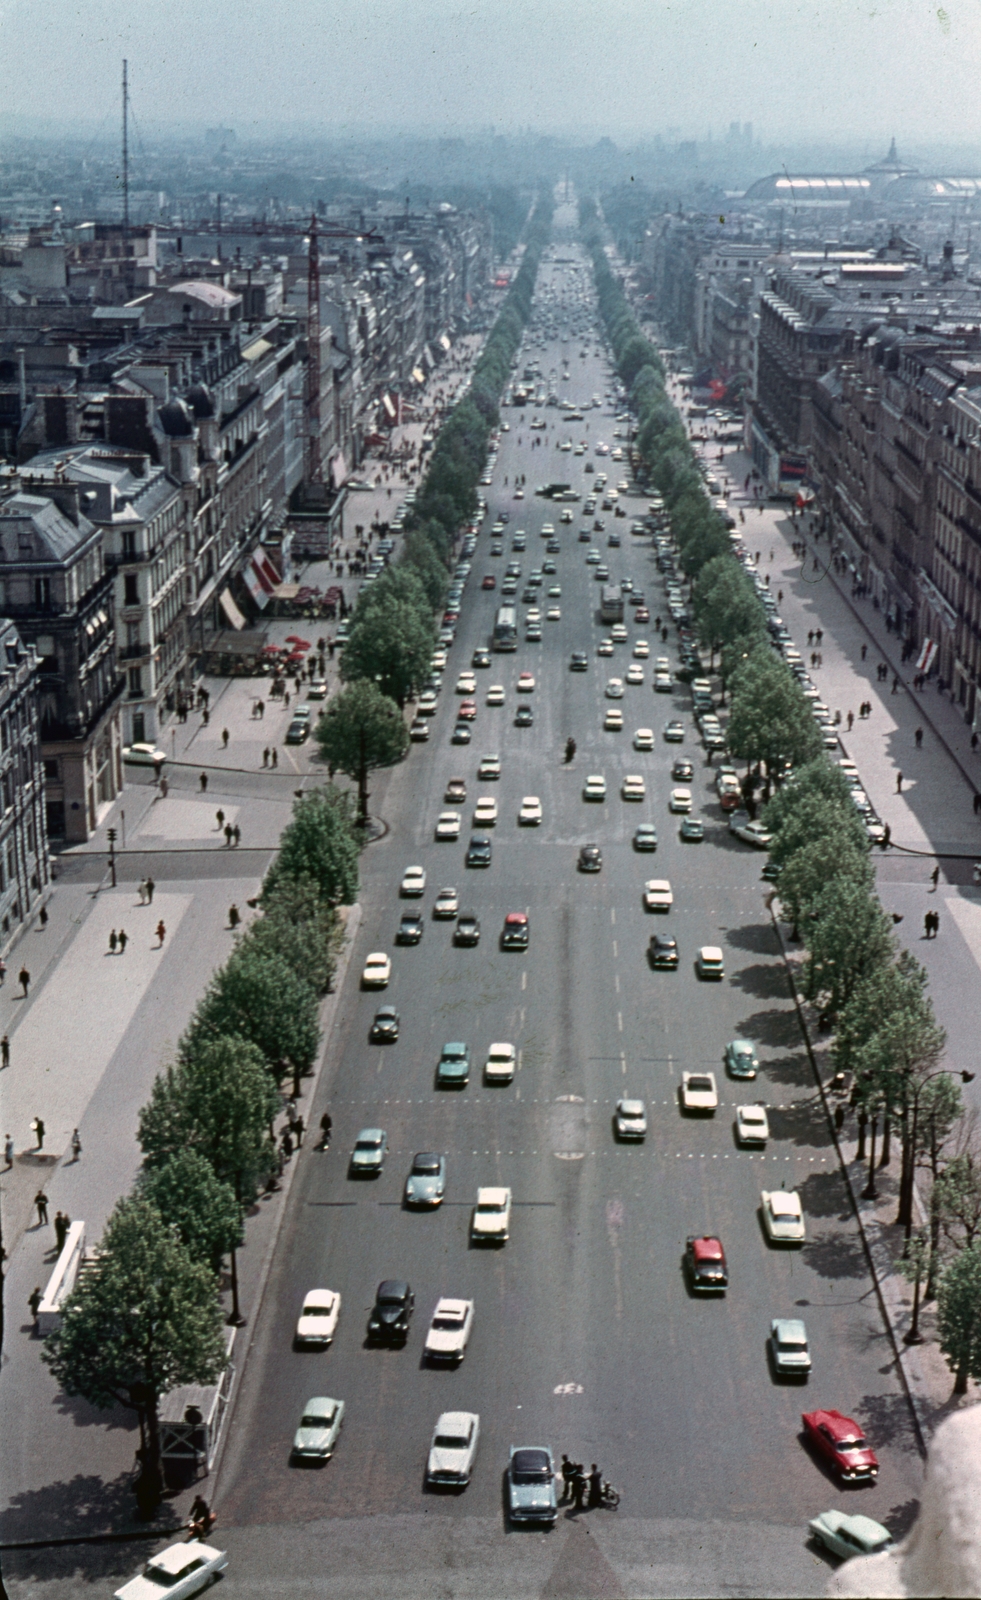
(125, 155)
(315, 466)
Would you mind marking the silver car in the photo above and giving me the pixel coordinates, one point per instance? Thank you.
(426, 1183)
(316, 1437)
(531, 1485)
(454, 1446)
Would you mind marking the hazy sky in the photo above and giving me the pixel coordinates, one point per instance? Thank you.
(826, 69)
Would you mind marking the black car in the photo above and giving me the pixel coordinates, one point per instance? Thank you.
(662, 951)
(298, 731)
(479, 851)
(523, 717)
(410, 928)
(385, 1028)
(467, 930)
(553, 547)
(579, 662)
(480, 658)
(590, 858)
(392, 1311)
(682, 771)
(461, 733)
(514, 934)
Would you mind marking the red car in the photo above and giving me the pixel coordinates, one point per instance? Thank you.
(490, 582)
(841, 1441)
(467, 710)
(706, 1263)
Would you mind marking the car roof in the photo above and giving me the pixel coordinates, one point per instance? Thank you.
(451, 1308)
(516, 916)
(393, 1289)
(372, 1133)
(789, 1328)
(499, 1046)
(492, 1194)
(710, 952)
(783, 1203)
(838, 1424)
(177, 1557)
(632, 1108)
(320, 1297)
(707, 1248)
(742, 1044)
(455, 1421)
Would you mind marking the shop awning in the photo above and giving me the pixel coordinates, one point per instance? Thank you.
(230, 609)
(286, 591)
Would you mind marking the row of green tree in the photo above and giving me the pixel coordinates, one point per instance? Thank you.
(870, 991)
(147, 1316)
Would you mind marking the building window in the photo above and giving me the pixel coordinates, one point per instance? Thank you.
(134, 680)
(42, 593)
(55, 811)
(139, 727)
(131, 593)
(52, 770)
(129, 544)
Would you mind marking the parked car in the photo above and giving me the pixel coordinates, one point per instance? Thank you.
(531, 1485)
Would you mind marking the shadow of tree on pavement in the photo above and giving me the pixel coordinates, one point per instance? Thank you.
(803, 1124)
(900, 1519)
(756, 937)
(824, 1195)
(887, 1421)
(776, 1027)
(81, 1506)
(763, 982)
(836, 1255)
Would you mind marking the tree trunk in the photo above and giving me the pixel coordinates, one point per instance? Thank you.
(235, 1317)
(363, 784)
(870, 1192)
(960, 1385)
(886, 1155)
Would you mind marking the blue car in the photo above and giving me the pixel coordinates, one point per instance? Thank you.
(453, 1071)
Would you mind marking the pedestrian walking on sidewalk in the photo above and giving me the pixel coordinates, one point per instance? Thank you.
(205, 716)
(221, 818)
(112, 942)
(265, 756)
(149, 886)
(851, 719)
(228, 834)
(8, 1151)
(5, 1050)
(164, 788)
(895, 684)
(864, 651)
(39, 1131)
(43, 916)
(76, 1145)
(298, 1128)
(935, 875)
(61, 1229)
(899, 783)
(918, 737)
(236, 834)
(161, 933)
(275, 757)
(203, 780)
(839, 1118)
(234, 916)
(41, 1201)
(34, 1303)
(286, 1144)
(935, 918)
(123, 941)
(224, 738)
(927, 925)
(326, 1128)
(24, 979)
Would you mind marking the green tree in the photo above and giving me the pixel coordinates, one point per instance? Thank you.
(726, 607)
(300, 925)
(959, 1316)
(392, 645)
(219, 1101)
(817, 779)
(849, 936)
(143, 1321)
(808, 869)
(199, 1205)
(420, 553)
(262, 999)
(770, 721)
(361, 729)
(321, 842)
(813, 818)
(957, 1194)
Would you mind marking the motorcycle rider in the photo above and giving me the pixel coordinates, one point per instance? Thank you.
(570, 750)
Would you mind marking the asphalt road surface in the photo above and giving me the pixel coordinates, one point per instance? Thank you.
(586, 1336)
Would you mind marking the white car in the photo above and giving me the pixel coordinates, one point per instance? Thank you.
(466, 683)
(490, 767)
(553, 614)
(144, 755)
(485, 812)
(752, 1126)
(755, 834)
(495, 694)
(413, 882)
(642, 650)
(594, 788)
(662, 664)
(439, 659)
(377, 970)
(605, 647)
(448, 825)
(491, 1222)
(644, 739)
(454, 1446)
(182, 1569)
(657, 895)
(526, 682)
(783, 1216)
(618, 633)
(680, 800)
(630, 1119)
(633, 787)
(614, 689)
(317, 1322)
(709, 962)
(699, 1092)
(662, 683)
(500, 1064)
(427, 703)
(634, 674)
(533, 616)
(447, 903)
(449, 1330)
(530, 814)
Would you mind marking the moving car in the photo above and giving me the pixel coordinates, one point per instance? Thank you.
(531, 1486)
(466, 683)
(392, 1311)
(448, 825)
(752, 1125)
(453, 1070)
(467, 930)
(679, 800)
(740, 1058)
(605, 647)
(613, 721)
(657, 895)
(614, 689)
(410, 928)
(413, 882)
(692, 830)
(385, 1027)
(590, 858)
(662, 952)
(377, 970)
(630, 1119)
(426, 1183)
(180, 1570)
(461, 733)
(699, 1092)
(841, 1441)
(788, 1347)
(682, 771)
(453, 1448)
(594, 788)
(491, 1221)
(370, 1150)
(633, 787)
(705, 1260)
(490, 767)
(674, 731)
(579, 661)
(485, 812)
(514, 934)
(662, 683)
(449, 1330)
(298, 731)
(455, 792)
(317, 1322)
(645, 837)
(530, 814)
(316, 1437)
(783, 1216)
(848, 1536)
(145, 755)
(644, 739)
(634, 673)
(478, 851)
(709, 962)
(446, 904)
(526, 682)
(495, 694)
(500, 1064)
(755, 834)
(467, 710)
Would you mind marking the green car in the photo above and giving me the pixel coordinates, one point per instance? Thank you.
(453, 1071)
(320, 1424)
(741, 1059)
(850, 1536)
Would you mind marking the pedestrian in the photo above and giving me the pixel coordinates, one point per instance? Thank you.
(864, 651)
(8, 1151)
(326, 1128)
(567, 1469)
(41, 1201)
(164, 788)
(236, 834)
(39, 1131)
(895, 684)
(123, 941)
(5, 1050)
(899, 783)
(43, 916)
(810, 637)
(34, 1302)
(228, 834)
(161, 932)
(286, 1144)
(839, 1118)
(595, 1486)
(76, 1145)
(141, 886)
(205, 716)
(927, 925)
(918, 737)
(974, 740)
(819, 637)
(60, 1228)
(851, 719)
(265, 756)
(578, 1489)
(886, 837)
(24, 979)
(112, 942)
(298, 1128)
(150, 886)
(275, 757)
(224, 738)
(221, 818)
(234, 917)
(935, 917)
(203, 780)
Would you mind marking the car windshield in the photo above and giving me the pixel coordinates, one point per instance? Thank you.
(316, 1311)
(449, 1320)
(368, 1144)
(313, 1419)
(450, 1441)
(530, 1466)
(851, 1444)
(699, 1083)
(426, 1164)
(490, 1205)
